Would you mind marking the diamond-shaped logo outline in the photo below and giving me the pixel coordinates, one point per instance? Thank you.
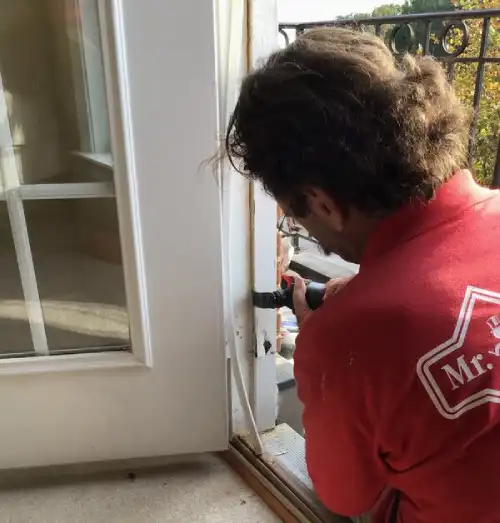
(455, 343)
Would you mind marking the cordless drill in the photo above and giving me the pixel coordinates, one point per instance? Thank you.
(283, 297)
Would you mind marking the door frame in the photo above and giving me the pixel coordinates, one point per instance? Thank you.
(263, 40)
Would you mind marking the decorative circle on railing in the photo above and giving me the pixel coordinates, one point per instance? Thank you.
(445, 45)
(411, 39)
(285, 36)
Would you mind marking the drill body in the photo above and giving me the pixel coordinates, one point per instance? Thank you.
(283, 297)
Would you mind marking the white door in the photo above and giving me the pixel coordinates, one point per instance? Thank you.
(111, 328)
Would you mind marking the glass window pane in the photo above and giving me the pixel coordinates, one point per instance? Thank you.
(15, 337)
(77, 259)
(56, 168)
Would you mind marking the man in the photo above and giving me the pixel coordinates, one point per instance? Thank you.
(399, 370)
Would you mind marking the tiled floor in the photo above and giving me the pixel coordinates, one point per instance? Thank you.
(203, 491)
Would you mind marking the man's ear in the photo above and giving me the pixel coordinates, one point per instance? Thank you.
(324, 207)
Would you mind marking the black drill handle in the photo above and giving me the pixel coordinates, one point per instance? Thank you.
(315, 293)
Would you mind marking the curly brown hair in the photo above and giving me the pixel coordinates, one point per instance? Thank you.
(336, 110)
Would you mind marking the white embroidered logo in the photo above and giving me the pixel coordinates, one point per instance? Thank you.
(446, 371)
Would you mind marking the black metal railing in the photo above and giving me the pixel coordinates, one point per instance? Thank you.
(467, 43)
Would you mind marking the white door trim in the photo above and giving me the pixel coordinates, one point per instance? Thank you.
(263, 36)
(69, 363)
(111, 19)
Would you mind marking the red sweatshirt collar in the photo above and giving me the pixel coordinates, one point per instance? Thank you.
(460, 192)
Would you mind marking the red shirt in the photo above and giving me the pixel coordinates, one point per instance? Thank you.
(399, 372)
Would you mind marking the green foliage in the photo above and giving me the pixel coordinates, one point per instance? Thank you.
(464, 79)
(387, 10)
(487, 130)
(426, 6)
(383, 10)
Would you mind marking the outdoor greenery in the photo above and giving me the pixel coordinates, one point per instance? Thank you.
(488, 118)
(487, 129)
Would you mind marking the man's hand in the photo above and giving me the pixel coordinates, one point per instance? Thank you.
(333, 286)
(302, 310)
(300, 306)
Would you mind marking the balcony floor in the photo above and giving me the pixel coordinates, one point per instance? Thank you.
(202, 491)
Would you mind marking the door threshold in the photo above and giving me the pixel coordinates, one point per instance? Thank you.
(280, 477)
(268, 486)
